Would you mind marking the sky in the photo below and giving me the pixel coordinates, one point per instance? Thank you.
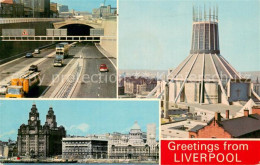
(80, 117)
(85, 5)
(156, 34)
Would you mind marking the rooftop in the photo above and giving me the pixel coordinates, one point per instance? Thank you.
(233, 109)
(236, 129)
(196, 128)
(136, 126)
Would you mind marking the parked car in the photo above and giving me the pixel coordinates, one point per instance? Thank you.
(37, 51)
(28, 55)
(33, 68)
(103, 68)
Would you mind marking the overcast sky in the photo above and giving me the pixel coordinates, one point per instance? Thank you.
(80, 117)
(156, 34)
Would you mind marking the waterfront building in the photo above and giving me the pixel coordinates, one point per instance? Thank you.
(84, 148)
(134, 145)
(36, 140)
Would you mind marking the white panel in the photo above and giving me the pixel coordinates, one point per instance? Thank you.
(211, 93)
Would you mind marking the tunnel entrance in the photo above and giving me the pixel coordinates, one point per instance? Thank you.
(77, 29)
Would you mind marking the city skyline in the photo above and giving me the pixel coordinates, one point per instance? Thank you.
(162, 33)
(90, 4)
(103, 118)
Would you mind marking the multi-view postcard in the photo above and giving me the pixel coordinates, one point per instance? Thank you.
(58, 49)
(130, 82)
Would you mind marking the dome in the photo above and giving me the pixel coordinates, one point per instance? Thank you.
(136, 126)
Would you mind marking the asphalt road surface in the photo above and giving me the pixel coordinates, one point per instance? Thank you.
(93, 83)
(14, 66)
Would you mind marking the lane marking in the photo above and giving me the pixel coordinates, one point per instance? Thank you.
(52, 82)
(24, 69)
(18, 58)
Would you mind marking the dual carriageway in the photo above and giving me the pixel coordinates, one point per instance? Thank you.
(78, 78)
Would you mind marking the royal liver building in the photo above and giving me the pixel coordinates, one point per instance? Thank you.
(35, 140)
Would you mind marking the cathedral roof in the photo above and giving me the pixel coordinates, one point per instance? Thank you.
(209, 67)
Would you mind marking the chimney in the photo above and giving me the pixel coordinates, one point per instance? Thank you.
(246, 112)
(227, 114)
(217, 116)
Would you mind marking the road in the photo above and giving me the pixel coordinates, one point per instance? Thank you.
(99, 85)
(10, 68)
(93, 83)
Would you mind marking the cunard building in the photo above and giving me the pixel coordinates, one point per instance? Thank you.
(36, 140)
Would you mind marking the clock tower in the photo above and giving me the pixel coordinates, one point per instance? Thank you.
(36, 140)
(34, 120)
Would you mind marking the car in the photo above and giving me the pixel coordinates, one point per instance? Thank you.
(33, 68)
(3, 89)
(37, 51)
(103, 68)
(28, 55)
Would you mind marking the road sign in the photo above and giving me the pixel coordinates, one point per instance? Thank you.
(18, 32)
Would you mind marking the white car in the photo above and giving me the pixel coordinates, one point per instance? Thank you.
(37, 51)
(3, 89)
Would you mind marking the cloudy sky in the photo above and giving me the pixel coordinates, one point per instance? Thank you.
(156, 34)
(80, 117)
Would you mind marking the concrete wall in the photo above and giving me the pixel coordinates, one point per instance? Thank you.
(9, 48)
(110, 43)
(171, 91)
(211, 93)
(192, 92)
